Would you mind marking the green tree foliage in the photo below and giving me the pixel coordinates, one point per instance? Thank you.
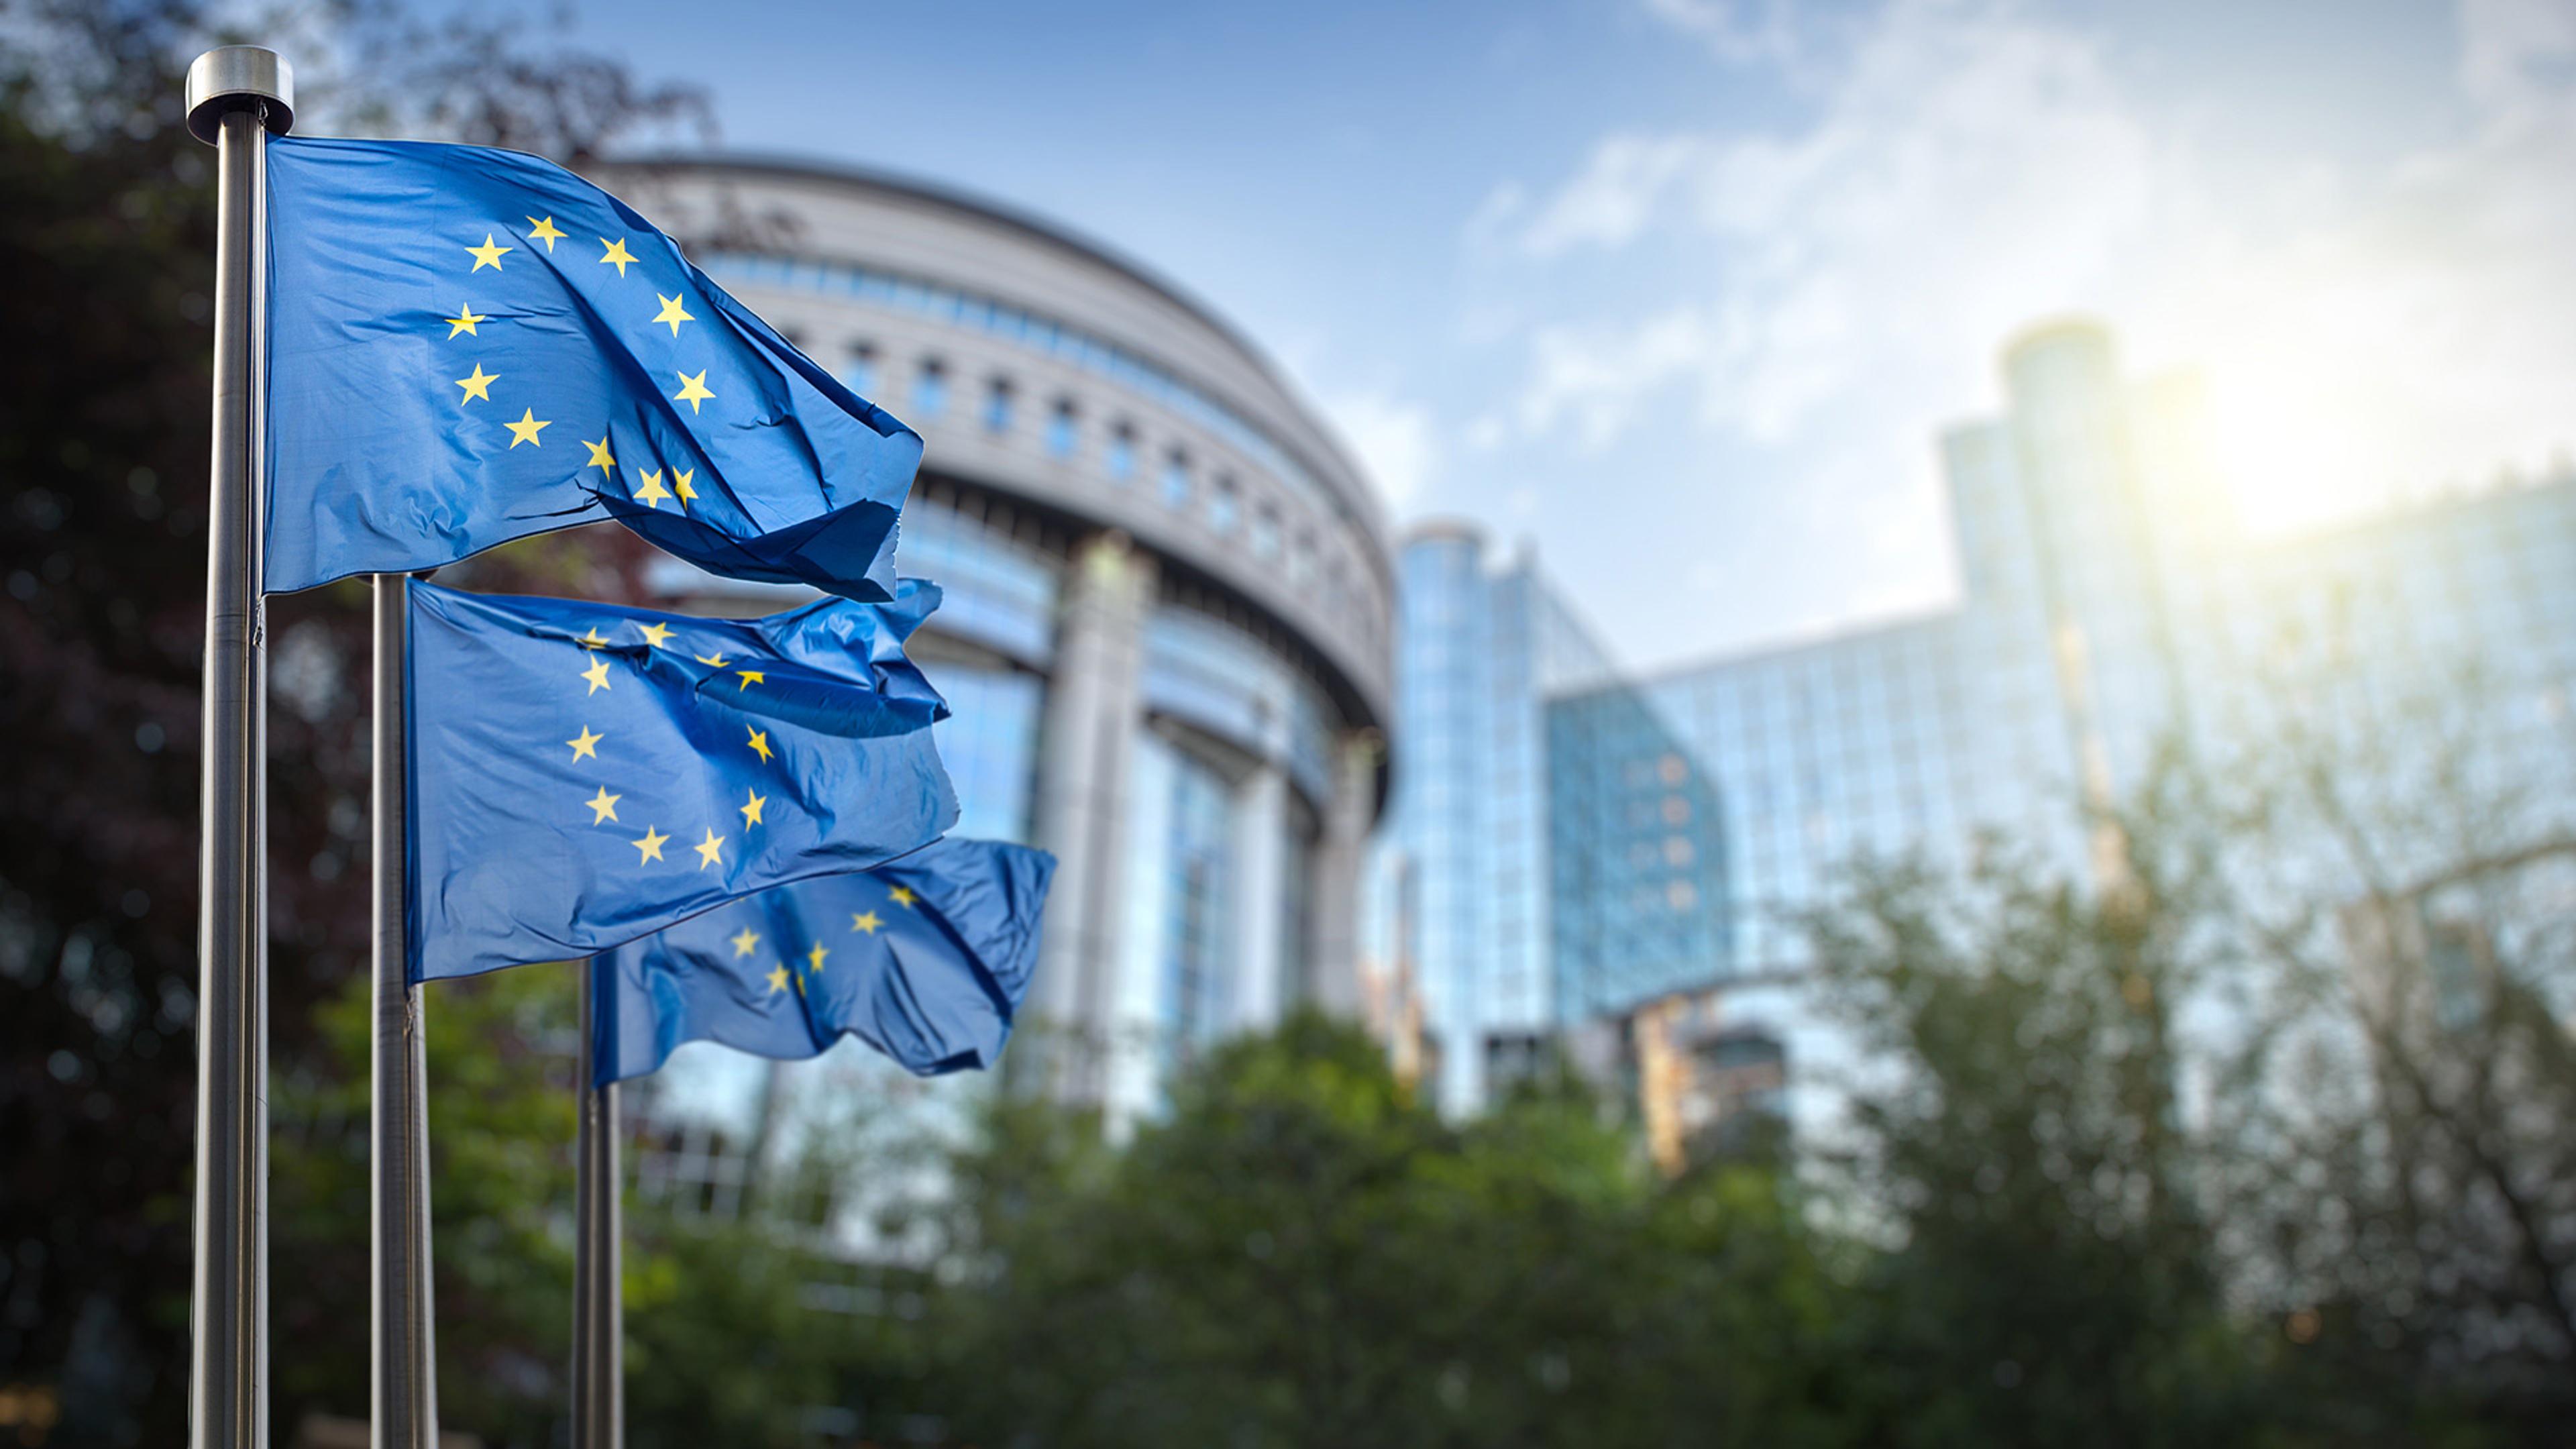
(2057, 1211)
(1301, 1253)
(500, 1131)
(107, 232)
(2051, 1275)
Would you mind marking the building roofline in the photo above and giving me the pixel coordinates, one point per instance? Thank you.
(1762, 651)
(1030, 225)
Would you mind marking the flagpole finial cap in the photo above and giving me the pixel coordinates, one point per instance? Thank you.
(240, 78)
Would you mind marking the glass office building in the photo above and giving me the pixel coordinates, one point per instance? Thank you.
(1168, 619)
(1489, 922)
(2107, 606)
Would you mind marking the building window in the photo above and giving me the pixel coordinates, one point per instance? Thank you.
(1122, 452)
(997, 406)
(930, 390)
(859, 371)
(1225, 505)
(1198, 930)
(1265, 532)
(1176, 480)
(1060, 429)
(989, 744)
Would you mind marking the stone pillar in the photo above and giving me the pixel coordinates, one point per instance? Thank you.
(1333, 978)
(1094, 707)
(1261, 987)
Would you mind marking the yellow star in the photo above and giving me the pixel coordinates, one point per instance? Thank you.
(650, 847)
(617, 256)
(673, 313)
(545, 232)
(816, 956)
(693, 390)
(743, 943)
(680, 481)
(657, 634)
(592, 640)
(597, 674)
(652, 492)
(525, 430)
(900, 896)
(712, 661)
(463, 321)
(751, 808)
(487, 255)
(585, 746)
(778, 981)
(600, 457)
(603, 806)
(759, 743)
(479, 385)
(710, 850)
(865, 921)
(751, 677)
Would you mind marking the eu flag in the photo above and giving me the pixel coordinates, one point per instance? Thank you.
(582, 774)
(925, 959)
(467, 346)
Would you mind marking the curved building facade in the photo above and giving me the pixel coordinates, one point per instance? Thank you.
(1169, 604)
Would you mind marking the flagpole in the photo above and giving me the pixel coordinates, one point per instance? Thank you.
(403, 1344)
(237, 95)
(598, 1360)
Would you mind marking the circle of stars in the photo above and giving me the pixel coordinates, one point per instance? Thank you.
(649, 487)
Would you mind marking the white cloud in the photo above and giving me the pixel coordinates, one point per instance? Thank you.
(1739, 31)
(1968, 167)
(1621, 188)
(1397, 441)
(2411, 327)
(1967, 170)
(1599, 385)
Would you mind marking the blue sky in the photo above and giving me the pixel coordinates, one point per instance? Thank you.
(1683, 290)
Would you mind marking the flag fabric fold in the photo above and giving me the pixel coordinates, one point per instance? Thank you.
(468, 345)
(582, 774)
(926, 959)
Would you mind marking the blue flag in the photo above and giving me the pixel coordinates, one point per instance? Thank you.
(925, 959)
(467, 346)
(582, 774)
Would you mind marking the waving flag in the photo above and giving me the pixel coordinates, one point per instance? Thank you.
(926, 959)
(583, 774)
(467, 346)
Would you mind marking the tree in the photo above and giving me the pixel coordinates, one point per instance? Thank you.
(2404, 1169)
(108, 235)
(499, 1059)
(2052, 1273)
(1301, 1253)
(2264, 1138)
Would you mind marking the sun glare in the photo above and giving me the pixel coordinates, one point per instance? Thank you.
(2330, 387)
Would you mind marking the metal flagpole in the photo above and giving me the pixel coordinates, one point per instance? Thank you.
(237, 95)
(403, 1344)
(598, 1363)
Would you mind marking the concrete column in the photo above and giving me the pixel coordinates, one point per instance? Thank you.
(1094, 708)
(1260, 986)
(1333, 980)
